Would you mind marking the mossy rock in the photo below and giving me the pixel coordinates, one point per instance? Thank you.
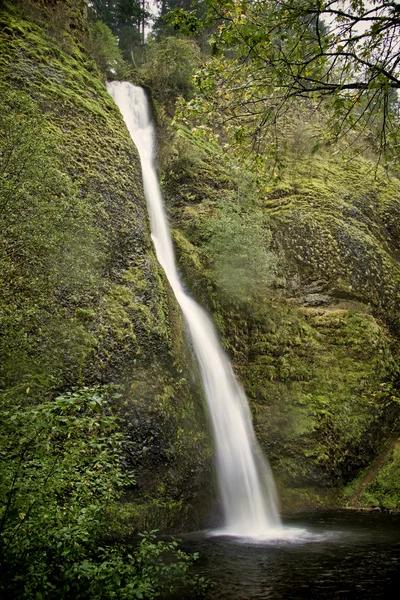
(116, 319)
(383, 490)
(317, 350)
(335, 225)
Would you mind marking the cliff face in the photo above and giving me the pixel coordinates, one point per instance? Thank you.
(83, 298)
(84, 302)
(315, 342)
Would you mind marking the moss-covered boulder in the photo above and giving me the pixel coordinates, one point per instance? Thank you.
(382, 489)
(334, 223)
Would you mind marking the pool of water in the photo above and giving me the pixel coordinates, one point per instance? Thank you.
(321, 556)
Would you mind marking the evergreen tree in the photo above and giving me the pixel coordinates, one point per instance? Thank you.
(163, 26)
(105, 11)
(126, 19)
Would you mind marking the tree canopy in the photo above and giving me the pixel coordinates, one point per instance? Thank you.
(126, 19)
(346, 54)
(318, 46)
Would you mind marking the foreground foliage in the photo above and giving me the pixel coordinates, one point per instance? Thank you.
(61, 464)
(341, 56)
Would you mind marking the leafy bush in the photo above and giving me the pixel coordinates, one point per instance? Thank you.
(61, 467)
(237, 249)
(103, 47)
(384, 489)
(168, 68)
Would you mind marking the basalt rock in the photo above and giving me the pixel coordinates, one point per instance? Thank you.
(111, 316)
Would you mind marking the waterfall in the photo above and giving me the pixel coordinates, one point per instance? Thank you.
(245, 481)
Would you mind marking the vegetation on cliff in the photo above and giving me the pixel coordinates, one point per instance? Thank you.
(290, 240)
(288, 235)
(310, 337)
(84, 303)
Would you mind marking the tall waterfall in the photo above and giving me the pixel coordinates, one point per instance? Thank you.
(245, 481)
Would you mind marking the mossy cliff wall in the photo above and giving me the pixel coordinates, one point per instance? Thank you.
(91, 305)
(83, 300)
(316, 347)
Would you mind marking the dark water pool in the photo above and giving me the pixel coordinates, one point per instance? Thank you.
(343, 555)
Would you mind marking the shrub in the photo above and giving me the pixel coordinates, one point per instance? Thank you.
(168, 68)
(103, 47)
(237, 248)
(61, 467)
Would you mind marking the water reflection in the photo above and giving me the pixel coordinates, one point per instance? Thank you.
(323, 557)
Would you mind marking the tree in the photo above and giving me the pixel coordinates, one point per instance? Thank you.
(346, 53)
(103, 46)
(168, 67)
(126, 19)
(359, 50)
(103, 10)
(198, 7)
(193, 12)
(131, 15)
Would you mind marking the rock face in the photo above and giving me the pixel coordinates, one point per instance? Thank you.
(89, 303)
(72, 12)
(83, 300)
(316, 349)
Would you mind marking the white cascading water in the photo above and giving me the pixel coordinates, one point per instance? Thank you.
(245, 481)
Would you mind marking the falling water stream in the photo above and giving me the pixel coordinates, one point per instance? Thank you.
(313, 557)
(245, 480)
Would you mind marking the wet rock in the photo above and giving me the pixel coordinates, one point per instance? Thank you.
(316, 300)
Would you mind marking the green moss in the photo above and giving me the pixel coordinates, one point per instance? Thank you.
(313, 350)
(384, 488)
(333, 226)
(106, 314)
(190, 252)
(308, 498)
